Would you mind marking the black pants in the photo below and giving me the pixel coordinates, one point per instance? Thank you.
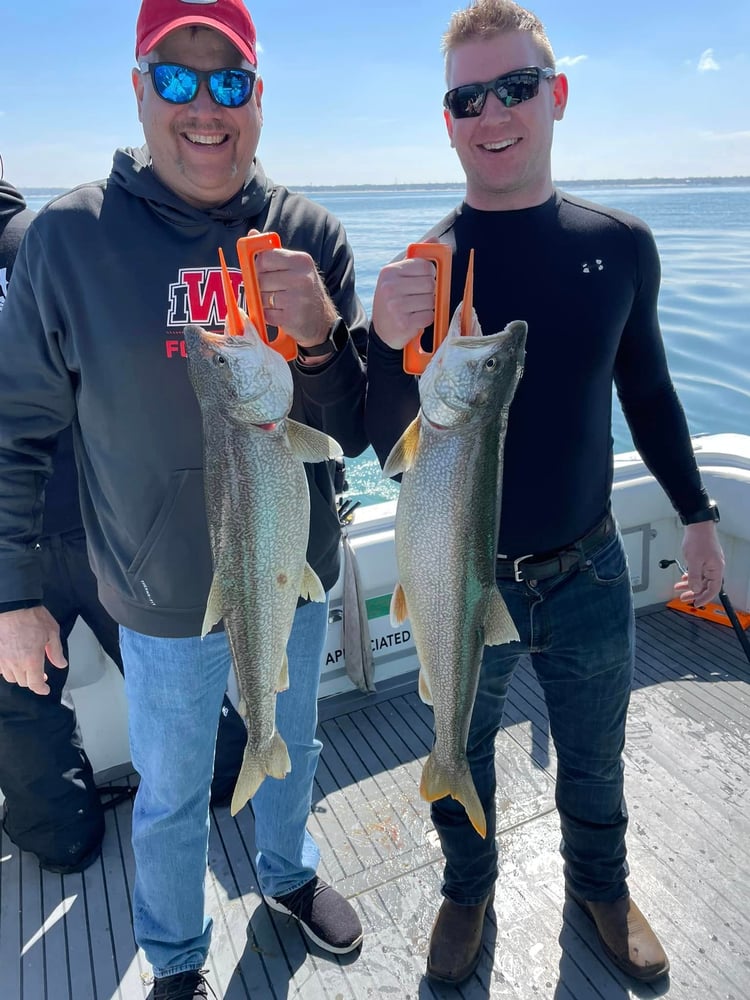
(52, 807)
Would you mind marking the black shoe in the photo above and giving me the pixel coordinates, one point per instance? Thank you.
(323, 914)
(456, 941)
(182, 986)
(78, 865)
(77, 856)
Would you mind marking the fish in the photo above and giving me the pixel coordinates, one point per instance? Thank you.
(258, 512)
(446, 530)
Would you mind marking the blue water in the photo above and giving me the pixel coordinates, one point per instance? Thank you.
(702, 229)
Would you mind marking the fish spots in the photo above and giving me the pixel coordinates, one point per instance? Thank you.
(282, 579)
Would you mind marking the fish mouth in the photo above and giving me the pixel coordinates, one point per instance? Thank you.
(433, 424)
(449, 401)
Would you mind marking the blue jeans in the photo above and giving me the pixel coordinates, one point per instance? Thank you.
(174, 689)
(579, 629)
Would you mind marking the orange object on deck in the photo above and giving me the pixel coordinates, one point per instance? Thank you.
(711, 612)
(416, 358)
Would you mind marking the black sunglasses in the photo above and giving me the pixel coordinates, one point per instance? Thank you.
(176, 84)
(510, 89)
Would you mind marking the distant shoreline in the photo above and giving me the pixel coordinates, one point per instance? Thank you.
(459, 185)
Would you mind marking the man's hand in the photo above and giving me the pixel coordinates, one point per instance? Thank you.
(704, 559)
(294, 296)
(25, 636)
(404, 301)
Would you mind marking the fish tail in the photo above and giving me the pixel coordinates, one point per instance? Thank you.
(439, 781)
(274, 761)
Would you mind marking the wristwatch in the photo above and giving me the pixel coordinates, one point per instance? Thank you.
(710, 513)
(320, 350)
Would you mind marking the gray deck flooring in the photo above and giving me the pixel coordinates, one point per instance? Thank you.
(689, 799)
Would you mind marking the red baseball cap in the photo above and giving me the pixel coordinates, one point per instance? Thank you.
(231, 17)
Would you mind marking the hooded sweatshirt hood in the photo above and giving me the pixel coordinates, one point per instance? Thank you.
(131, 170)
(14, 219)
(11, 203)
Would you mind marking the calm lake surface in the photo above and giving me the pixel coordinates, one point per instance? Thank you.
(702, 229)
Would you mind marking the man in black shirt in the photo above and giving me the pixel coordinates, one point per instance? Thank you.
(586, 280)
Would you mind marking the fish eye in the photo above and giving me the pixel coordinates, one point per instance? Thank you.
(220, 359)
(490, 364)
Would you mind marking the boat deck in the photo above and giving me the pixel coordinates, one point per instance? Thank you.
(70, 938)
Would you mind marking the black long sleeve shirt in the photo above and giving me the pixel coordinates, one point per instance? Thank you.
(586, 280)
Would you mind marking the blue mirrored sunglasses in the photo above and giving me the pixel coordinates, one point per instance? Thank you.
(176, 84)
(510, 89)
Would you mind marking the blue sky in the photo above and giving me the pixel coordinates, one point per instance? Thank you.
(353, 90)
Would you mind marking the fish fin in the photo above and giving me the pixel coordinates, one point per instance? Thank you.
(274, 762)
(214, 613)
(438, 781)
(404, 451)
(282, 683)
(424, 686)
(399, 609)
(498, 625)
(311, 445)
(311, 588)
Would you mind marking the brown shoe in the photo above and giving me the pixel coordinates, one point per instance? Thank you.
(626, 937)
(456, 941)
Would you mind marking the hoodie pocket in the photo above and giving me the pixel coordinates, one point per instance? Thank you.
(172, 568)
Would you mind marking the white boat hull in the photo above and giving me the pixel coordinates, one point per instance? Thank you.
(651, 530)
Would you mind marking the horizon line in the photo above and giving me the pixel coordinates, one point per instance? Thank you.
(735, 178)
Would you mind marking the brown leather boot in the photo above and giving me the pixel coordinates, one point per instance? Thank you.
(456, 941)
(626, 937)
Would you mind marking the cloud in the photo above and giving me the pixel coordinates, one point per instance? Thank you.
(726, 136)
(707, 62)
(571, 60)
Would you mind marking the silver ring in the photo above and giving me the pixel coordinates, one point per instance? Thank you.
(271, 300)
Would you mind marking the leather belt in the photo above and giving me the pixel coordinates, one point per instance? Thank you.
(540, 567)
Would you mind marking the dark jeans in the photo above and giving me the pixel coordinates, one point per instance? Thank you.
(579, 629)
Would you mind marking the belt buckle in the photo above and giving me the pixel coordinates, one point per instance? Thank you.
(516, 567)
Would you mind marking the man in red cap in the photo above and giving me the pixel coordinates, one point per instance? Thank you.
(92, 334)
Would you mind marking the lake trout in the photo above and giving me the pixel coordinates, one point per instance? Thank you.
(447, 521)
(258, 511)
